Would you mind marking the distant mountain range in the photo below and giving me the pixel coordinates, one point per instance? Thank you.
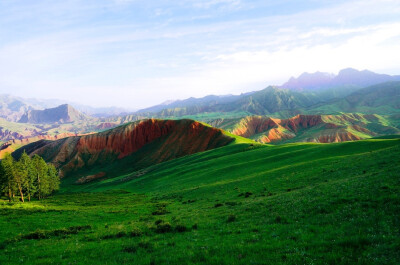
(348, 77)
(12, 108)
(298, 94)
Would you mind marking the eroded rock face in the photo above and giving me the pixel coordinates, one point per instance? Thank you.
(254, 124)
(275, 135)
(321, 128)
(275, 129)
(173, 139)
(126, 139)
(301, 122)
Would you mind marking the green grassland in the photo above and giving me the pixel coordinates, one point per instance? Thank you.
(244, 203)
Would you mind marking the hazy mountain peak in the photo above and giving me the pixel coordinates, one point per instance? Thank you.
(309, 81)
(348, 71)
(346, 77)
(61, 114)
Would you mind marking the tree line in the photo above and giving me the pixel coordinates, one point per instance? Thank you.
(27, 177)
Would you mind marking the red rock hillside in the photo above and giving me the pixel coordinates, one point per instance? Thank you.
(140, 143)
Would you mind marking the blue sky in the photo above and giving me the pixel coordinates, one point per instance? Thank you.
(135, 53)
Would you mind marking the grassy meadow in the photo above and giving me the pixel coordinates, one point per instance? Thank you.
(244, 203)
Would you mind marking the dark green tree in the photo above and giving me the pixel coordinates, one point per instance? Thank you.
(40, 170)
(53, 179)
(20, 176)
(30, 177)
(7, 178)
(29, 185)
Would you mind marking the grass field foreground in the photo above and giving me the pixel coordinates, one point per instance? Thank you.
(239, 204)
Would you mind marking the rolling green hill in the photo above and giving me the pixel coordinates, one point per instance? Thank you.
(238, 204)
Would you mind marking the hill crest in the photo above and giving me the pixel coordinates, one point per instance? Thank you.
(137, 145)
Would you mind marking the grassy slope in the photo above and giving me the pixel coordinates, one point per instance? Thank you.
(305, 204)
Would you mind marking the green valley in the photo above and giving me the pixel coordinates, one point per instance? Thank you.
(238, 204)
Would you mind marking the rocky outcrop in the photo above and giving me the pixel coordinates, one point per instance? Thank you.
(254, 125)
(126, 139)
(301, 122)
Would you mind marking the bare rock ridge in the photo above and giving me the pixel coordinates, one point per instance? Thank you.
(140, 143)
(61, 114)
